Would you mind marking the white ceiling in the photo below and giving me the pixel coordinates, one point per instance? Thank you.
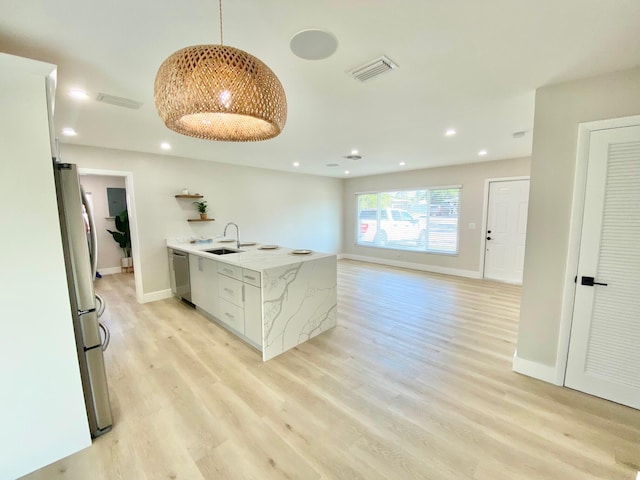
(467, 64)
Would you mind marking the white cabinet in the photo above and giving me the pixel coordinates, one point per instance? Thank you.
(232, 316)
(253, 313)
(252, 305)
(229, 293)
(204, 283)
(231, 298)
(196, 279)
(228, 270)
(172, 274)
(241, 301)
(251, 277)
(230, 290)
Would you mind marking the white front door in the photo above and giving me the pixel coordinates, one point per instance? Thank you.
(604, 349)
(506, 230)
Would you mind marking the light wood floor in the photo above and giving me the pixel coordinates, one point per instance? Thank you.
(414, 382)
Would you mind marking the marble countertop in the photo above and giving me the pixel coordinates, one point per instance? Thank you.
(249, 256)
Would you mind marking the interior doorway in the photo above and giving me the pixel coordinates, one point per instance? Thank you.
(121, 179)
(506, 229)
(97, 189)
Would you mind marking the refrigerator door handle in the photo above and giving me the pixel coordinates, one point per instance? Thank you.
(101, 305)
(93, 235)
(107, 336)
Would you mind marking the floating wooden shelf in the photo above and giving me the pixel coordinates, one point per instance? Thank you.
(197, 195)
(201, 220)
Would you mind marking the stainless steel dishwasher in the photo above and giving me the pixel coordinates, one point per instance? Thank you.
(180, 283)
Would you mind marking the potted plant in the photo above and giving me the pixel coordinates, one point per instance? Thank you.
(122, 236)
(202, 208)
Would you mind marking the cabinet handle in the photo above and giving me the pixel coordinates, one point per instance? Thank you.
(249, 277)
(229, 291)
(226, 270)
(228, 315)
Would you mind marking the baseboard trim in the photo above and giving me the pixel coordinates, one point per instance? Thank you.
(109, 270)
(155, 296)
(414, 266)
(536, 370)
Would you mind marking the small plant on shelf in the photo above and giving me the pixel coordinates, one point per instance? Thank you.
(202, 208)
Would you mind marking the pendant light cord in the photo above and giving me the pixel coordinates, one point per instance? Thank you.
(221, 42)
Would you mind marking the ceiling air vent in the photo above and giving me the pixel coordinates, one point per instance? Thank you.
(373, 69)
(118, 101)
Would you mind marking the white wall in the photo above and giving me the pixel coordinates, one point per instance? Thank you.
(472, 178)
(42, 413)
(559, 110)
(109, 252)
(295, 210)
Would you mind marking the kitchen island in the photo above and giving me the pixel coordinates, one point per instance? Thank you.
(272, 298)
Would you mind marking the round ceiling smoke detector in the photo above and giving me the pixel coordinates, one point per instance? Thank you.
(313, 44)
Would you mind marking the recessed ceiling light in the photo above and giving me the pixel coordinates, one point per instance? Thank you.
(296, 164)
(78, 94)
(402, 164)
(450, 132)
(354, 152)
(346, 172)
(482, 153)
(69, 132)
(165, 146)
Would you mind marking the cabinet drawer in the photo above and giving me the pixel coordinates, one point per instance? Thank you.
(232, 271)
(231, 290)
(232, 316)
(251, 276)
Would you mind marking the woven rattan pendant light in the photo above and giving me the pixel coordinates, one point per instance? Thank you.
(216, 92)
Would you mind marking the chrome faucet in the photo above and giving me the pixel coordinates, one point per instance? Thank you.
(237, 232)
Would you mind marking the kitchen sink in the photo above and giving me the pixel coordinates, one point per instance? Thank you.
(223, 251)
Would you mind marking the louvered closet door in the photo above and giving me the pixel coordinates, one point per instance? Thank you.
(604, 351)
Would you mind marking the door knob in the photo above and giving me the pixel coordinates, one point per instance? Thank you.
(488, 238)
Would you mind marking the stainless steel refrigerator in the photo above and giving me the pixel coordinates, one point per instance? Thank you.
(80, 250)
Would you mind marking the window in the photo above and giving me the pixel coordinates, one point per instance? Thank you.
(417, 220)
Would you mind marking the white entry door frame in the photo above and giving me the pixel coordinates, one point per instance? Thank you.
(575, 234)
(485, 215)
